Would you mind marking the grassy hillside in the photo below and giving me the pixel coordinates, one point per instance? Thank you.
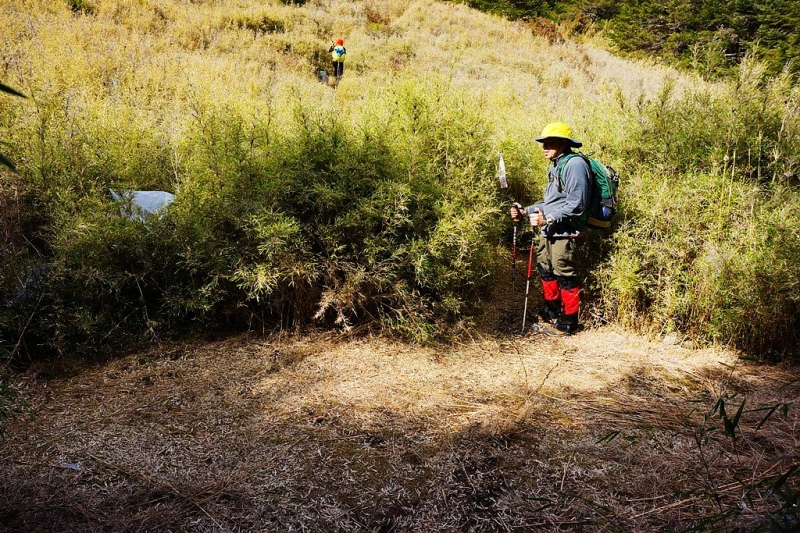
(373, 204)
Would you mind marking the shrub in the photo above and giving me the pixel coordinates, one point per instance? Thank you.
(386, 225)
(703, 241)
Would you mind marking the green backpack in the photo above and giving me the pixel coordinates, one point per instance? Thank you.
(603, 198)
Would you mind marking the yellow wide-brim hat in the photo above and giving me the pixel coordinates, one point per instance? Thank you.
(558, 130)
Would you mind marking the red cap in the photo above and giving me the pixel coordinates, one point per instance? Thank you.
(340, 41)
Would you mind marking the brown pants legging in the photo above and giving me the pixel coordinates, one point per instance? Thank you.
(555, 261)
(556, 256)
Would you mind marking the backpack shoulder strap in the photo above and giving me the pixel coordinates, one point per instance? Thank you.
(563, 163)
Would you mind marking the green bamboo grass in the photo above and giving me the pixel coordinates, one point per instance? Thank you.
(373, 205)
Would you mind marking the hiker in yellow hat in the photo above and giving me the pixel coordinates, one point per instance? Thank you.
(561, 217)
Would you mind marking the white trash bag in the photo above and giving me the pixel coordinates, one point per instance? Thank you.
(140, 205)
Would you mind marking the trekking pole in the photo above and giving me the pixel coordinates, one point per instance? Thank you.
(528, 282)
(501, 174)
(514, 253)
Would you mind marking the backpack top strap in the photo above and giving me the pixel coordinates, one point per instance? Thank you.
(563, 163)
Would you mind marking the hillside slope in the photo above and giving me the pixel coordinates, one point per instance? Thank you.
(374, 205)
(221, 104)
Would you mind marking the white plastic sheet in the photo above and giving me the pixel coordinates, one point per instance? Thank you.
(140, 205)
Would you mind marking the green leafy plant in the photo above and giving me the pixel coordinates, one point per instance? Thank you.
(8, 90)
(774, 494)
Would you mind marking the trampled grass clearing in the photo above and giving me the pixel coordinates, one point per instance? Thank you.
(599, 432)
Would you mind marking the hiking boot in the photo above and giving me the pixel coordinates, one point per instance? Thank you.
(555, 330)
(536, 327)
(567, 324)
(551, 311)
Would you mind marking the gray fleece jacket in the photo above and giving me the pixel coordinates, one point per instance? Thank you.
(566, 200)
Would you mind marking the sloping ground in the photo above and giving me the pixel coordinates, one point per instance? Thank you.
(599, 432)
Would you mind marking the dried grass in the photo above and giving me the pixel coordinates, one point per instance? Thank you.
(595, 432)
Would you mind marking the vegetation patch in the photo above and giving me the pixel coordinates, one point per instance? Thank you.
(373, 206)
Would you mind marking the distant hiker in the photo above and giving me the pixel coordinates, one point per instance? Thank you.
(338, 51)
(562, 219)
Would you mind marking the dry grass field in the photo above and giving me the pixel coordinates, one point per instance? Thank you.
(602, 431)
